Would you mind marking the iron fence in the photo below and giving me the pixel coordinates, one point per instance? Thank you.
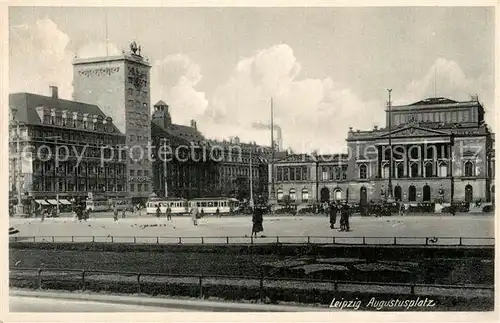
(238, 240)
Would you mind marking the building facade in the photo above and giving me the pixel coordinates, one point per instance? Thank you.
(120, 86)
(44, 125)
(441, 150)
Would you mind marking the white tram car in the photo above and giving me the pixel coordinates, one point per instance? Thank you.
(177, 205)
(210, 205)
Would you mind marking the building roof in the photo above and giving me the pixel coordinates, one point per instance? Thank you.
(436, 103)
(160, 103)
(26, 104)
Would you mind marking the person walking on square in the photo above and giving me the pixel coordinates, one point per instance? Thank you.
(194, 215)
(257, 220)
(333, 215)
(217, 212)
(115, 214)
(158, 211)
(169, 213)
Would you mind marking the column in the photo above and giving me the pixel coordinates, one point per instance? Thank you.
(381, 156)
(421, 168)
(406, 162)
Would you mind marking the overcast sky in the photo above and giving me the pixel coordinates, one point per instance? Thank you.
(326, 68)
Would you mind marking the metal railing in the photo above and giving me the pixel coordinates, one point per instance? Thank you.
(238, 240)
(85, 277)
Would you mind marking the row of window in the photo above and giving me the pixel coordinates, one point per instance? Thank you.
(136, 92)
(77, 136)
(140, 187)
(414, 170)
(238, 171)
(329, 173)
(292, 193)
(94, 125)
(447, 117)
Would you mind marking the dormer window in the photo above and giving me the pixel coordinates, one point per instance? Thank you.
(53, 117)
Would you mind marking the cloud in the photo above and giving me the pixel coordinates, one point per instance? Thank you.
(313, 113)
(174, 79)
(38, 58)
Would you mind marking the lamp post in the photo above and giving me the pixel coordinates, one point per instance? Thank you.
(17, 176)
(272, 151)
(164, 140)
(56, 167)
(389, 185)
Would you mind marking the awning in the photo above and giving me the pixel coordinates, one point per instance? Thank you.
(53, 202)
(64, 201)
(42, 202)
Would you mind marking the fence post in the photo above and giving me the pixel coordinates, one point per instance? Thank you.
(202, 241)
(426, 241)
(261, 284)
(364, 241)
(83, 280)
(72, 239)
(333, 240)
(308, 240)
(180, 240)
(395, 243)
(34, 239)
(460, 241)
(134, 240)
(157, 240)
(227, 240)
(39, 278)
(112, 239)
(251, 239)
(53, 239)
(201, 285)
(139, 283)
(93, 239)
(277, 239)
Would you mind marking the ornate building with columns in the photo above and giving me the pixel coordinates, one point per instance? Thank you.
(441, 150)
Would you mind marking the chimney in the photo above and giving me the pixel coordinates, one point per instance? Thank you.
(54, 92)
(193, 123)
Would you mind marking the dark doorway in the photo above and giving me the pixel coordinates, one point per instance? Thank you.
(398, 193)
(427, 193)
(469, 194)
(412, 193)
(325, 194)
(362, 196)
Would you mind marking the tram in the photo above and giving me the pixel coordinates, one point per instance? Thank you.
(122, 203)
(210, 205)
(97, 203)
(177, 206)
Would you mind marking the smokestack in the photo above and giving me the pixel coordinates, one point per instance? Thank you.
(193, 123)
(279, 135)
(54, 91)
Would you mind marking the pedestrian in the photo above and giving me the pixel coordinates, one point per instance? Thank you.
(344, 218)
(194, 214)
(158, 211)
(115, 213)
(217, 212)
(257, 220)
(333, 215)
(124, 212)
(169, 213)
(202, 213)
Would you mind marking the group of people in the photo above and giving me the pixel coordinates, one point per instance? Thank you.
(344, 211)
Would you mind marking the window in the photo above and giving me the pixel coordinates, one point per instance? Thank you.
(132, 172)
(443, 170)
(305, 195)
(298, 176)
(292, 194)
(132, 187)
(139, 187)
(139, 173)
(363, 172)
(468, 169)
(285, 174)
(279, 194)
(385, 171)
(146, 173)
(305, 173)
(429, 170)
(292, 174)
(414, 170)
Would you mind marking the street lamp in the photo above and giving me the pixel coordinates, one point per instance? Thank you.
(389, 185)
(56, 166)
(164, 140)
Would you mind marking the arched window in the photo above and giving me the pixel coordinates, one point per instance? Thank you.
(414, 170)
(397, 193)
(400, 170)
(291, 192)
(338, 194)
(279, 194)
(325, 194)
(305, 195)
(468, 193)
(443, 170)
(468, 169)
(426, 193)
(363, 173)
(385, 171)
(429, 170)
(412, 193)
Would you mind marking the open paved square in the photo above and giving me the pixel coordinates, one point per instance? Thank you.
(288, 228)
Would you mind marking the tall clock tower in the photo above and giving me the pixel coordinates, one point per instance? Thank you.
(120, 86)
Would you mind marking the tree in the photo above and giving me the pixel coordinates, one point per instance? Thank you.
(286, 200)
(242, 186)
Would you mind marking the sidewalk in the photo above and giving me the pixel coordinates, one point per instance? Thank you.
(146, 300)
